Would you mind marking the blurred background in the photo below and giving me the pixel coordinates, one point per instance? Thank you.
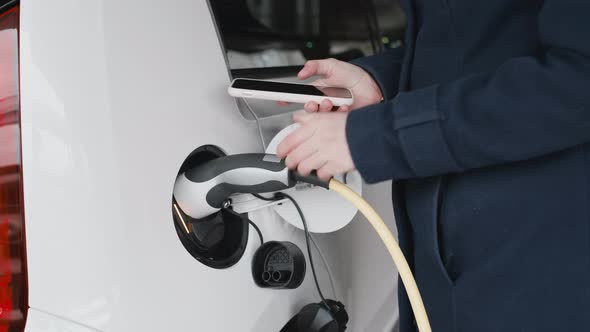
(280, 35)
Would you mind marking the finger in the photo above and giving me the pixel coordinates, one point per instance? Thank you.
(300, 153)
(325, 172)
(326, 106)
(292, 141)
(283, 103)
(311, 107)
(344, 108)
(311, 163)
(303, 117)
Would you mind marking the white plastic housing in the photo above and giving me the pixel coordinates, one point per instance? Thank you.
(325, 210)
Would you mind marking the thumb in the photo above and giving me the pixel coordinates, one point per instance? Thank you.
(315, 67)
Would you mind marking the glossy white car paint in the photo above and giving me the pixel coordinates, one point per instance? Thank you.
(115, 94)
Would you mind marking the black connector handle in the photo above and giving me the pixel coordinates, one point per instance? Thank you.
(311, 179)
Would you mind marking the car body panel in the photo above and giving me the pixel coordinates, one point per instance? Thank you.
(114, 96)
(38, 321)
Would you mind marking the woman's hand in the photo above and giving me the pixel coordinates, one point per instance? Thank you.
(318, 144)
(341, 74)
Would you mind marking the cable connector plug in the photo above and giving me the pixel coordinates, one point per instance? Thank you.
(311, 179)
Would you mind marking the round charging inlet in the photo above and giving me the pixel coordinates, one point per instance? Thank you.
(218, 241)
(278, 265)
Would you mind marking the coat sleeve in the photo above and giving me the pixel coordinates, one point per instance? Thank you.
(528, 107)
(385, 69)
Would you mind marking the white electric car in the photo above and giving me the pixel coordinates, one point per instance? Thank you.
(101, 102)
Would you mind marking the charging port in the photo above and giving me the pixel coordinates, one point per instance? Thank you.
(218, 241)
(278, 265)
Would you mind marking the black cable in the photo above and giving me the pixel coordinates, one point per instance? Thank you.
(268, 199)
(271, 199)
(315, 277)
(369, 22)
(280, 196)
(377, 28)
(257, 231)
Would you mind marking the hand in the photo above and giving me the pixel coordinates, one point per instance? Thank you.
(318, 144)
(341, 74)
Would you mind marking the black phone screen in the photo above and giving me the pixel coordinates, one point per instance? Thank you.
(301, 89)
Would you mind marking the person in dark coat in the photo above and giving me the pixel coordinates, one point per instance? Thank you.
(482, 121)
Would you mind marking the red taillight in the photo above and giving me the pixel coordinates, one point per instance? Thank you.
(13, 273)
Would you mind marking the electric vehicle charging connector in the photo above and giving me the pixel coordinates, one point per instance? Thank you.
(202, 191)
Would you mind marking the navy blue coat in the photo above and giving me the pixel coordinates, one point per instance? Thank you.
(485, 131)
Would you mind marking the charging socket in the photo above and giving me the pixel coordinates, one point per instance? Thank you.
(278, 265)
(218, 241)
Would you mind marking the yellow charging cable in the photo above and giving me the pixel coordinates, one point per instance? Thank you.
(394, 250)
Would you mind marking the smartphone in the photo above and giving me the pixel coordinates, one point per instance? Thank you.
(289, 92)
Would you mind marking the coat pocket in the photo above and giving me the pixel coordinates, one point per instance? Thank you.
(443, 258)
